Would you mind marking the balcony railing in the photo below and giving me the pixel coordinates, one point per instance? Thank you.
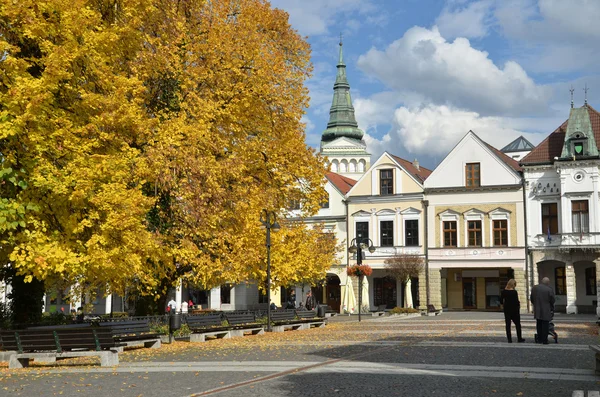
(387, 252)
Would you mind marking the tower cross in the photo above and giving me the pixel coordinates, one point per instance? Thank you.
(572, 91)
(585, 90)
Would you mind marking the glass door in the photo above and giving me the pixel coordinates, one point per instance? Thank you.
(469, 293)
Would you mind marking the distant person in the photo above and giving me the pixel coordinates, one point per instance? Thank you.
(80, 316)
(291, 304)
(311, 302)
(542, 298)
(273, 306)
(184, 307)
(172, 306)
(512, 309)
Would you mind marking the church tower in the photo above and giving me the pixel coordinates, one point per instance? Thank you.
(342, 142)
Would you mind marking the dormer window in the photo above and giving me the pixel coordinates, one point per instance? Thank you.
(579, 145)
(386, 182)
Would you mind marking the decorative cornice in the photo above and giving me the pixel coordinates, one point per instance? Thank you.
(386, 198)
(462, 189)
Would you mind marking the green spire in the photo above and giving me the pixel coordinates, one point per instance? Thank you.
(579, 137)
(342, 122)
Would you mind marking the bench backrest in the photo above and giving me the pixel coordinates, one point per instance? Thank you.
(306, 314)
(122, 328)
(204, 321)
(58, 339)
(282, 315)
(240, 318)
(64, 326)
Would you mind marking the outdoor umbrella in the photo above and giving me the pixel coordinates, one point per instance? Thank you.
(349, 302)
(408, 302)
(365, 293)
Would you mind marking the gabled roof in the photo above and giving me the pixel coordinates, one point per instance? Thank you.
(512, 163)
(518, 145)
(342, 183)
(552, 146)
(420, 174)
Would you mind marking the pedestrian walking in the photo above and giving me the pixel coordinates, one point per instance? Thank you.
(542, 298)
(512, 310)
(311, 302)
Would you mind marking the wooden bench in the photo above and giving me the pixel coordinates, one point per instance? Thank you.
(596, 349)
(207, 325)
(329, 312)
(51, 344)
(133, 333)
(243, 323)
(310, 319)
(283, 320)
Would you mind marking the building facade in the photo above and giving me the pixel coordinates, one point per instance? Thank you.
(386, 206)
(563, 219)
(475, 236)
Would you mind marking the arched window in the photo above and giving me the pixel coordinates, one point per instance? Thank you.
(361, 166)
(334, 166)
(352, 166)
(343, 166)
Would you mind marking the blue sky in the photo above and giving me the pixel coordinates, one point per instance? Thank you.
(424, 72)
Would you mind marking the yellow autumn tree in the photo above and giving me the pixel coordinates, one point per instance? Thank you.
(140, 140)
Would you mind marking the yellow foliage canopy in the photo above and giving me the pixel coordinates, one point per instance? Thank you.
(140, 140)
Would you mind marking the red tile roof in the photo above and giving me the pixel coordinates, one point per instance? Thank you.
(420, 173)
(342, 183)
(552, 146)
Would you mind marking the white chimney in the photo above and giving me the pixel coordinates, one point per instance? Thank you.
(416, 164)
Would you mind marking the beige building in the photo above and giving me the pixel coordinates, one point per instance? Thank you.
(385, 207)
(475, 219)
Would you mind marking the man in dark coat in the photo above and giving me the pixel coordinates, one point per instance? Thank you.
(542, 298)
(311, 302)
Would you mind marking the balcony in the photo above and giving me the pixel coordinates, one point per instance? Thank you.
(388, 252)
(565, 240)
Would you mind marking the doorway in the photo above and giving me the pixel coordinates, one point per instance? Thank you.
(469, 293)
(333, 292)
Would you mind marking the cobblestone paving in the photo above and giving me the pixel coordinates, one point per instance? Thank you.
(454, 354)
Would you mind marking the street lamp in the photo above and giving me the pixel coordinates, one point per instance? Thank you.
(357, 245)
(269, 222)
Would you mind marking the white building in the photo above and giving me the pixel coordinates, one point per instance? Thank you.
(563, 218)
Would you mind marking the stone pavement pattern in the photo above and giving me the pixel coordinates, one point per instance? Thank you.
(454, 354)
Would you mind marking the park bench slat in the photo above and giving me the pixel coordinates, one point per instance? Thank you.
(242, 320)
(283, 316)
(204, 322)
(133, 330)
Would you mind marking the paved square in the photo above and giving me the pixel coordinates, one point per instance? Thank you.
(454, 354)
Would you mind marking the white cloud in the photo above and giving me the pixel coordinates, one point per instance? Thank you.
(552, 35)
(454, 73)
(313, 17)
(470, 21)
(376, 110)
(432, 131)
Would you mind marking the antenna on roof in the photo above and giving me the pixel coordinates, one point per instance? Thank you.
(585, 90)
(572, 91)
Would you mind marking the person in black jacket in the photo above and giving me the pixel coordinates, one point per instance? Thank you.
(510, 300)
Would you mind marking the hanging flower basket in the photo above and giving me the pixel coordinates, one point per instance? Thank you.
(359, 270)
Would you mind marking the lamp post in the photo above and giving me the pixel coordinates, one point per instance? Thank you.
(357, 245)
(269, 222)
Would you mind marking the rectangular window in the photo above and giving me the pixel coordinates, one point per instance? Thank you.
(560, 281)
(411, 232)
(580, 215)
(550, 218)
(226, 293)
(387, 233)
(472, 175)
(362, 231)
(474, 232)
(386, 182)
(500, 233)
(590, 281)
(325, 204)
(450, 234)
